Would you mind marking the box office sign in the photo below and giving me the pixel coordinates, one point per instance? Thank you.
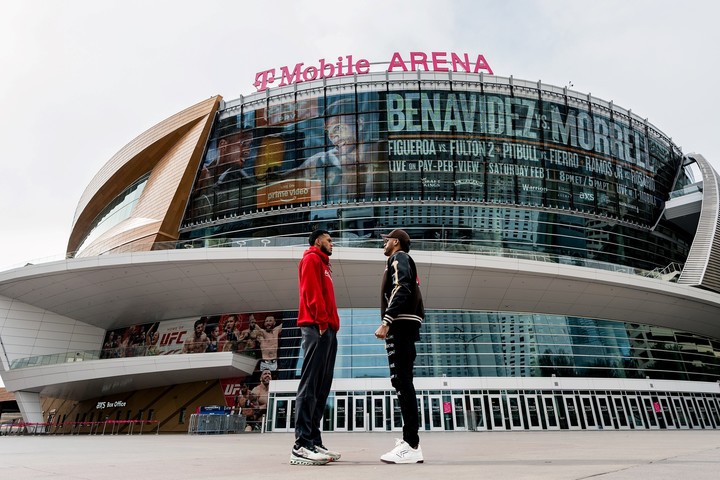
(115, 404)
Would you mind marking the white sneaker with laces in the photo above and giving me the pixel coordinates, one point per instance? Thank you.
(307, 456)
(403, 453)
(334, 456)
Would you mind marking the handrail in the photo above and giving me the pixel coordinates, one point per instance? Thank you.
(469, 247)
(87, 355)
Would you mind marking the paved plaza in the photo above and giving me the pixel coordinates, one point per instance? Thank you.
(610, 455)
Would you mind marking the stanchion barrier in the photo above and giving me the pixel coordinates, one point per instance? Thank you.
(211, 423)
(76, 428)
(118, 424)
(30, 428)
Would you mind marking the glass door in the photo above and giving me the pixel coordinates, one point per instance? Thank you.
(678, 410)
(653, 410)
(360, 414)
(284, 415)
(703, 412)
(533, 407)
(340, 419)
(514, 412)
(714, 408)
(550, 412)
(458, 413)
(396, 415)
(379, 419)
(692, 412)
(621, 414)
(436, 415)
(477, 413)
(606, 412)
(666, 419)
(589, 414)
(636, 413)
(497, 412)
(571, 413)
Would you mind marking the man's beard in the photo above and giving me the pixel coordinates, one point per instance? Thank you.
(324, 249)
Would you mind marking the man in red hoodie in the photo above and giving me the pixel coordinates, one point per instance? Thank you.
(318, 322)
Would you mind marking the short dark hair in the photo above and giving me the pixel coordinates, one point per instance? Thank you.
(315, 234)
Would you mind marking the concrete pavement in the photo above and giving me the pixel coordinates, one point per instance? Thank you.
(608, 455)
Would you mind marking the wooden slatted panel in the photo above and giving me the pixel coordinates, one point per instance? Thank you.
(171, 151)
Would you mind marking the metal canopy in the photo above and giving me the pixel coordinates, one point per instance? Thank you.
(119, 290)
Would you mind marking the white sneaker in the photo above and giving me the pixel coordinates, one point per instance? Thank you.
(403, 453)
(307, 456)
(334, 456)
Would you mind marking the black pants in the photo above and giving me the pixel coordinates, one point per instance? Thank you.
(400, 347)
(315, 380)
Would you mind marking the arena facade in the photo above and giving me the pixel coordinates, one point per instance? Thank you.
(568, 253)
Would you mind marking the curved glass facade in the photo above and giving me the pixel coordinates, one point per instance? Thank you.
(502, 231)
(505, 344)
(436, 140)
(115, 212)
(489, 167)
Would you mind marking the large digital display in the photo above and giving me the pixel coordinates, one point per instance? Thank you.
(322, 149)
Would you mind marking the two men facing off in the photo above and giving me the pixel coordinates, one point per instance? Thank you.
(402, 314)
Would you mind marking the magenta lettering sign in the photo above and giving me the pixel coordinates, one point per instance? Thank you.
(434, 61)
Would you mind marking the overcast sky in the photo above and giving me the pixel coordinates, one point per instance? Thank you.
(82, 78)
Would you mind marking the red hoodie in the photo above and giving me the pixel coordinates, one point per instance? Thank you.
(317, 295)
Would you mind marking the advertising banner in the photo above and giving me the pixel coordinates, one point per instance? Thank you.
(434, 144)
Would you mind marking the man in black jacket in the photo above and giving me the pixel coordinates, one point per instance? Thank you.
(402, 312)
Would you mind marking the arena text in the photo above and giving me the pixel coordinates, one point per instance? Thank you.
(348, 65)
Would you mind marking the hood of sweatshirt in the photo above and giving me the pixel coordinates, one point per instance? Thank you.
(316, 251)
